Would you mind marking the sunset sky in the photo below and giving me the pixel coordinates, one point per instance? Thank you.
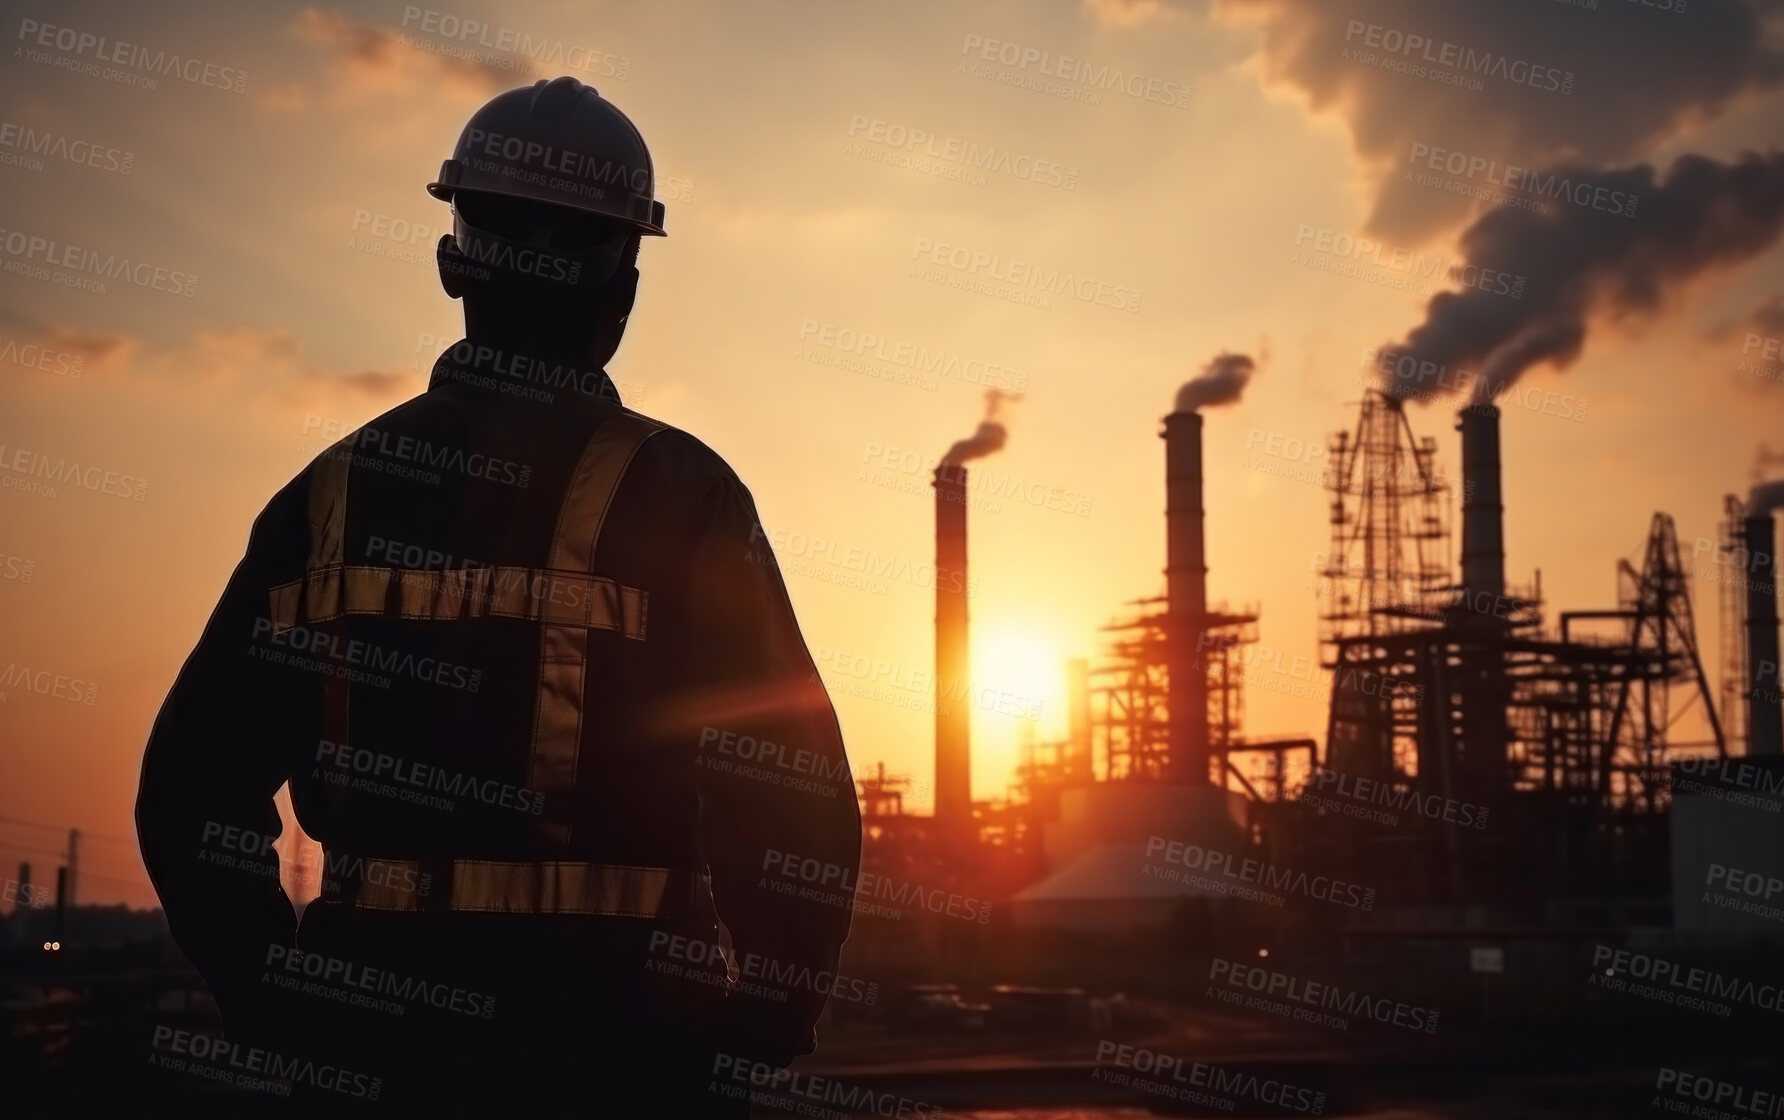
(1213, 198)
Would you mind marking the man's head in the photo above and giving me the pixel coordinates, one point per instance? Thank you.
(551, 190)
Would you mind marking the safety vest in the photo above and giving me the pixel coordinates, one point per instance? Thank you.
(565, 600)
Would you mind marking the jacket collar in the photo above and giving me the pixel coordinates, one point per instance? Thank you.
(519, 376)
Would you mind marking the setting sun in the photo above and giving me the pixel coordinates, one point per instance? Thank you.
(1018, 688)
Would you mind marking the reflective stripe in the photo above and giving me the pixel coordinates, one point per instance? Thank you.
(328, 506)
(328, 543)
(563, 650)
(557, 724)
(564, 598)
(501, 887)
(604, 462)
(283, 604)
(363, 590)
(421, 595)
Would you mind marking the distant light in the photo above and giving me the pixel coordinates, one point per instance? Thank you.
(52, 946)
(1263, 952)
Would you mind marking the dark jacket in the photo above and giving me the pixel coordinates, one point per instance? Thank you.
(410, 711)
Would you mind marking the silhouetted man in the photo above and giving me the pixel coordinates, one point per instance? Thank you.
(504, 642)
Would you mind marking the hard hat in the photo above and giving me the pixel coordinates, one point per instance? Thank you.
(557, 142)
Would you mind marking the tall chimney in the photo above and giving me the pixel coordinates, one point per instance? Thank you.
(1480, 677)
(1186, 595)
(63, 902)
(1483, 506)
(953, 728)
(1765, 716)
(74, 862)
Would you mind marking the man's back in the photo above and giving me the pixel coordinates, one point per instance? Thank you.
(486, 641)
(453, 505)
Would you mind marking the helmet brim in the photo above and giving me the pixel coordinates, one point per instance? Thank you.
(446, 191)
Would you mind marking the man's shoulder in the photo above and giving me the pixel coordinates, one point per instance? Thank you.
(677, 456)
(333, 442)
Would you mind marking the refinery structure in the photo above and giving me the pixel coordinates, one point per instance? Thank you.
(1490, 768)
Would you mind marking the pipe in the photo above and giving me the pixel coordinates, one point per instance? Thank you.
(953, 727)
(1765, 716)
(1186, 594)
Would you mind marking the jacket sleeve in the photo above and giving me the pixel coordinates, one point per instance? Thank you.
(778, 818)
(204, 811)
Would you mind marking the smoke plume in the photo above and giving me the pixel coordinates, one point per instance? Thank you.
(1768, 317)
(1577, 263)
(1692, 67)
(991, 434)
(1220, 382)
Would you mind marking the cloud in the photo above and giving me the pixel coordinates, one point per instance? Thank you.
(1126, 13)
(269, 362)
(64, 351)
(1639, 76)
(252, 365)
(369, 61)
(282, 97)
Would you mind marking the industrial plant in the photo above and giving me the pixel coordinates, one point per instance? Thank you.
(1498, 788)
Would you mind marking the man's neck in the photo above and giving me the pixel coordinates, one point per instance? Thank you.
(489, 361)
(573, 353)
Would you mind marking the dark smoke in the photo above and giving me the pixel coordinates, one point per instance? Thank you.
(1220, 382)
(1577, 263)
(1768, 317)
(1693, 67)
(991, 434)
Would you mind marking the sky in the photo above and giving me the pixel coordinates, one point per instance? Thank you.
(1249, 176)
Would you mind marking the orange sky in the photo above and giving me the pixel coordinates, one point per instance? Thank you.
(795, 222)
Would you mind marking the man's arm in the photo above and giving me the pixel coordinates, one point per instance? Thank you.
(204, 810)
(752, 676)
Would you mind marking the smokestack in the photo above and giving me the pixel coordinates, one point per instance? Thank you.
(1186, 594)
(953, 647)
(953, 728)
(24, 897)
(74, 862)
(1765, 716)
(1221, 381)
(1483, 507)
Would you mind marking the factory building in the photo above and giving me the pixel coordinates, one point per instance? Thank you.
(1540, 772)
